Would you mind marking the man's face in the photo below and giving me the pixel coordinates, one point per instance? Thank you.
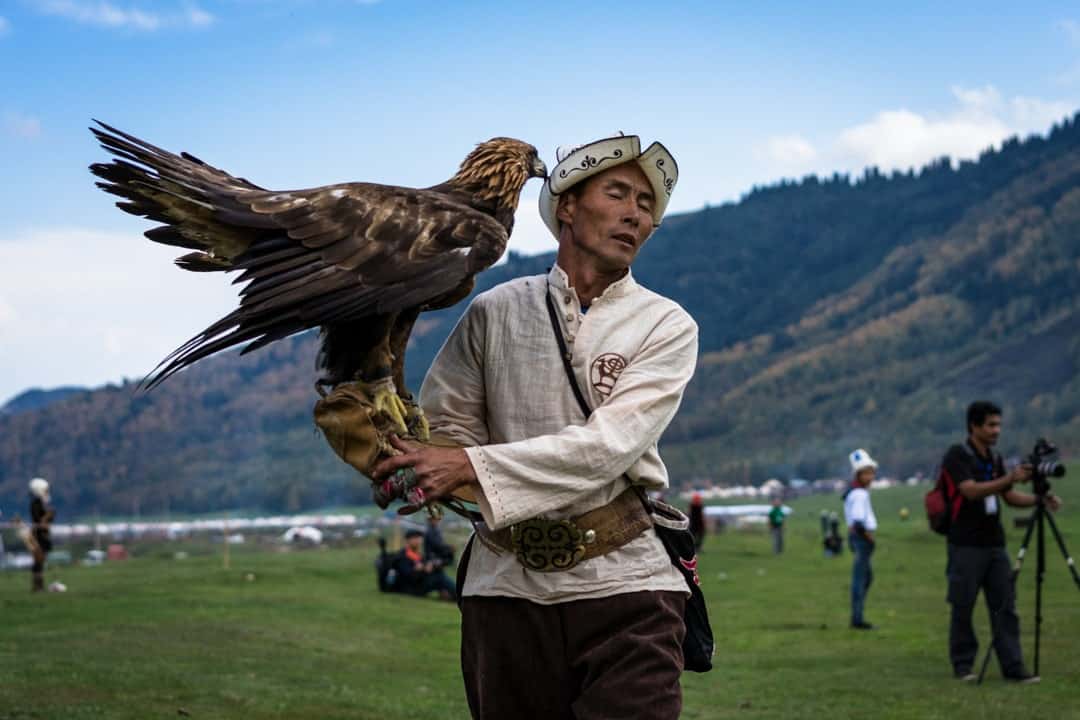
(866, 476)
(989, 431)
(610, 218)
(415, 543)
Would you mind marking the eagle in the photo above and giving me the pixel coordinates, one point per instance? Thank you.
(360, 261)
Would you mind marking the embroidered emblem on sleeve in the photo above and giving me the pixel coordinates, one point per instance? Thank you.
(605, 370)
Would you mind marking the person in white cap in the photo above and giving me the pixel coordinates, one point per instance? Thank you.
(41, 516)
(595, 630)
(862, 526)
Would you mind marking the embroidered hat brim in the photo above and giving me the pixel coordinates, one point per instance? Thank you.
(582, 163)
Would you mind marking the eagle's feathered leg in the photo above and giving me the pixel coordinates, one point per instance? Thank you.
(360, 352)
(399, 339)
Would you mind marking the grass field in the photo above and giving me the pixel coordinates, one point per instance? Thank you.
(310, 637)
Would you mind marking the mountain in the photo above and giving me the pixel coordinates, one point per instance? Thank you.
(834, 313)
(37, 398)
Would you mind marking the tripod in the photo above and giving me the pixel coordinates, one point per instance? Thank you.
(1038, 521)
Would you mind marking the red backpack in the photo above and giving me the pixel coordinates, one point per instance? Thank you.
(943, 501)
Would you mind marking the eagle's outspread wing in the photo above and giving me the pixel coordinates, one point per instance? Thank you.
(328, 256)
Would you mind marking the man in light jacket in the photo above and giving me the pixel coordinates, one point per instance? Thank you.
(862, 526)
(571, 606)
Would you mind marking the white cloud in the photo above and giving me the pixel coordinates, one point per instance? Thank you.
(197, 17)
(5, 26)
(788, 154)
(22, 126)
(7, 313)
(86, 307)
(903, 139)
(1035, 115)
(980, 118)
(105, 14)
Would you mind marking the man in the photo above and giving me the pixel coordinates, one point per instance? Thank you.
(41, 517)
(594, 631)
(776, 525)
(976, 549)
(862, 524)
(697, 520)
(413, 575)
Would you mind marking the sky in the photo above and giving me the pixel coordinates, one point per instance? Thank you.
(300, 93)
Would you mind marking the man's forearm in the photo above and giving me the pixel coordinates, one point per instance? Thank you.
(977, 490)
(1019, 499)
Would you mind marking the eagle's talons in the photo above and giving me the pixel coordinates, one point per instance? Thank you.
(417, 422)
(385, 400)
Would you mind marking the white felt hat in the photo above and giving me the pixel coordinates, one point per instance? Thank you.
(860, 460)
(583, 162)
(40, 488)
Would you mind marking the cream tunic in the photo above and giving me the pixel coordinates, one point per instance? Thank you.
(498, 388)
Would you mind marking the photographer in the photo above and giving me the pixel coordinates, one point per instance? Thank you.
(976, 550)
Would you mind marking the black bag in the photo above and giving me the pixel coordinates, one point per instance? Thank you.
(673, 528)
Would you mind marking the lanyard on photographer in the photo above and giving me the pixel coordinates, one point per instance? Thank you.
(986, 467)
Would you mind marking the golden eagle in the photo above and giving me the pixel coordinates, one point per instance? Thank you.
(359, 260)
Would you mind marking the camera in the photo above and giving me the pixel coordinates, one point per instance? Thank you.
(1044, 465)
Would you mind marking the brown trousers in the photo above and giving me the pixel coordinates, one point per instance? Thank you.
(618, 657)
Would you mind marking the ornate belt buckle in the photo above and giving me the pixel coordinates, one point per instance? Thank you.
(547, 545)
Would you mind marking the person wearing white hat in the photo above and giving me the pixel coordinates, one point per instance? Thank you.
(41, 516)
(862, 524)
(541, 460)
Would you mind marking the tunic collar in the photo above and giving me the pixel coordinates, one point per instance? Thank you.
(625, 285)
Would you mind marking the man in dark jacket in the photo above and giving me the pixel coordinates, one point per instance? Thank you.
(415, 576)
(41, 517)
(977, 559)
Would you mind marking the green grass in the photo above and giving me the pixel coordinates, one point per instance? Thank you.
(311, 638)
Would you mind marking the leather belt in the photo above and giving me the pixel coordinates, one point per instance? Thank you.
(546, 545)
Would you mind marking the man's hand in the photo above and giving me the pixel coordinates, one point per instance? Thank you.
(1053, 503)
(439, 470)
(1021, 473)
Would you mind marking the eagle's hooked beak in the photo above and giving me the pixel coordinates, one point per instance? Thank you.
(538, 169)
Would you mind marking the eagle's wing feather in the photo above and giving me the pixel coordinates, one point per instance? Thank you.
(308, 258)
(357, 250)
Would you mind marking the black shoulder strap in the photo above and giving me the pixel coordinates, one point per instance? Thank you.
(564, 354)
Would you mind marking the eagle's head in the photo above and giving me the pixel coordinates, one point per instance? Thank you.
(498, 169)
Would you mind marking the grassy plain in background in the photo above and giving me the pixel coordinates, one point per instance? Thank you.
(310, 637)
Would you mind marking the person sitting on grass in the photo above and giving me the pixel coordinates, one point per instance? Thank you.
(414, 576)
